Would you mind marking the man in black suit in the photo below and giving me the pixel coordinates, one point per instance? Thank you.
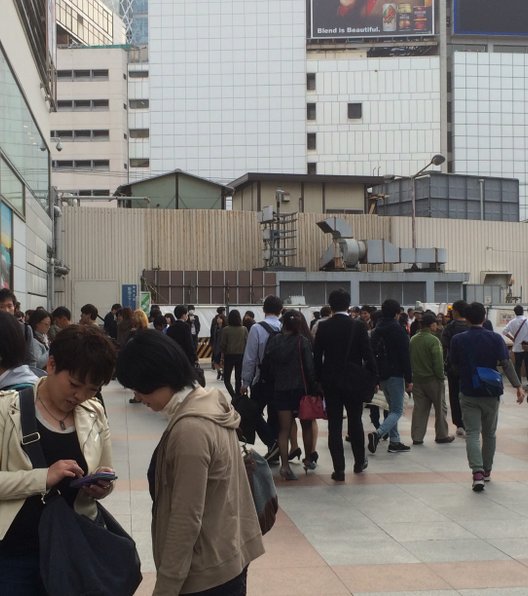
(341, 349)
(180, 332)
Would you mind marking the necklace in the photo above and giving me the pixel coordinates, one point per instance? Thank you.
(61, 422)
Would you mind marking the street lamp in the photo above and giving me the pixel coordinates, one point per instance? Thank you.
(436, 160)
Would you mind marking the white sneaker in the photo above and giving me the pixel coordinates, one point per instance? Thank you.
(460, 432)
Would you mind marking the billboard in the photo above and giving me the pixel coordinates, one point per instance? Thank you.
(6, 247)
(490, 17)
(334, 19)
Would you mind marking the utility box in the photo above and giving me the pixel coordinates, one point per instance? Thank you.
(451, 196)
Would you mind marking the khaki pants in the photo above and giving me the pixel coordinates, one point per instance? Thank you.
(425, 395)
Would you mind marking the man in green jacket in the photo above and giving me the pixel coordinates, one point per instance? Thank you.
(427, 362)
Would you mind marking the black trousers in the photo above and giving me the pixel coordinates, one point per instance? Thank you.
(233, 361)
(453, 385)
(335, 401)
(234, 587)
(521, 357)
(268, 431)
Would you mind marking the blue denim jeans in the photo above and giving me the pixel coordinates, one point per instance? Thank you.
(20, 576)
(393, 389)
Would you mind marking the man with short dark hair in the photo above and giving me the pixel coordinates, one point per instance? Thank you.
(474, 353)
(61, 318)
(364, 315)
(517, 331)
(89, 315)
(110, 321)
(181, 333)
(342, 345)
(427, 364)
(249, 319)
(390, 344)
(454, 327)
(8, 303)
(262, 392)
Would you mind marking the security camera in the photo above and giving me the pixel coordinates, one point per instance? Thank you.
(58, 146)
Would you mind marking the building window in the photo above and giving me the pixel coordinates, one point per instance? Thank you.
(81, 164)
(82, 105)
(100, 74)
(64, 75)
(85, 192)
(311, 167)
(100, 104)
(81, 135)
(139, 133)
(64, 105)
(138, 74)
(310, 81)
(82, 75)
(138, 104)
(310, 111)
(311, 141)
(355, 111)
(139, 162)
(101, 135)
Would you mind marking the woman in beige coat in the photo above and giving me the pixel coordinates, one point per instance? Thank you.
(205, 530)
(75, 439)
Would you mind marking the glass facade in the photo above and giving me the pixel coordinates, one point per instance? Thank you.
(87, 20)
(22, 159)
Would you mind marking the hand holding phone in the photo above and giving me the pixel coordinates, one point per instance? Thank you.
(93, 479)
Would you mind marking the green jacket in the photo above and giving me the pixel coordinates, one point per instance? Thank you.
(427, 359)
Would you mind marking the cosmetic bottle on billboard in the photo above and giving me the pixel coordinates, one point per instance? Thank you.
(420, 18)
(390, 16)
(405, 17)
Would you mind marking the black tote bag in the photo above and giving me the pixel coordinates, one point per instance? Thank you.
(81, 557)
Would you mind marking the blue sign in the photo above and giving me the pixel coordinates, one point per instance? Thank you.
(129, 295)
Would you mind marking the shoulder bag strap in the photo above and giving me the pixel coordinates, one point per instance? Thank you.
(267, 327)
(30, 435)
(517, 332)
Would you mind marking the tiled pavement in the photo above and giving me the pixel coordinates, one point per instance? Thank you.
(410, 525)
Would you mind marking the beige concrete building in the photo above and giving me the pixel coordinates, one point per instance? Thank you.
(89, 131)
(305, 193)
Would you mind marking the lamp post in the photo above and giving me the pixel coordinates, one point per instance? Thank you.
(436, 160)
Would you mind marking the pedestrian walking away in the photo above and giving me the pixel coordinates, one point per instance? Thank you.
(475, 354)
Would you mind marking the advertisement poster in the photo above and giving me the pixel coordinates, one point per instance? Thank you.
(490, 17)
(6, 246)
(371, 18)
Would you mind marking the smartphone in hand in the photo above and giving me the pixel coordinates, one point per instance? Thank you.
(93, 479)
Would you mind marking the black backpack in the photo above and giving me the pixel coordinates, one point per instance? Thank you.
(265, 374)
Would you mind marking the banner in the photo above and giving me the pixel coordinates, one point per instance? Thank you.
(490, 17)
(371, 18)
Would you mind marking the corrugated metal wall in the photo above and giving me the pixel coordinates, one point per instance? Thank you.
(472, 246)
(118, 244)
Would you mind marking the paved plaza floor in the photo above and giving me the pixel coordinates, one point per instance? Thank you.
(409, 526)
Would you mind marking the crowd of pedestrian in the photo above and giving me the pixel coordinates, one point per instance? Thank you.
(352, 357)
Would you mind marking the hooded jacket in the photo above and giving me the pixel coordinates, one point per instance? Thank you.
(398, 361)
(18, 377)
(205, 529)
